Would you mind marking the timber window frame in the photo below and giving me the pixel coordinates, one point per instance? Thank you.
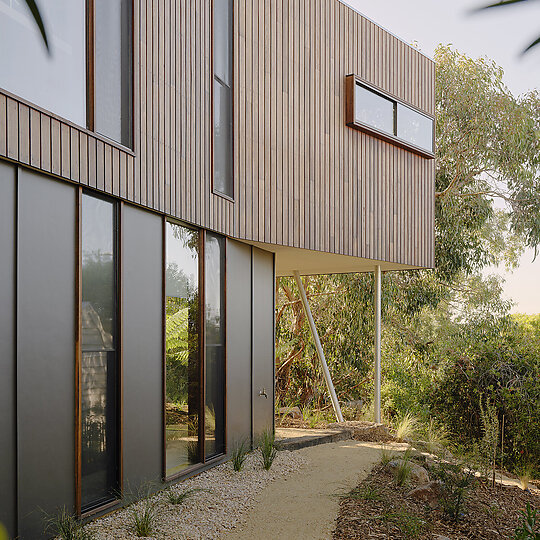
(400, 109)
(116, 471)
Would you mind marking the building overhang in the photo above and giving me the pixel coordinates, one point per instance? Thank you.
(311, 262)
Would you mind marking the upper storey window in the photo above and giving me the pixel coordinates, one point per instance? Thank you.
(223, 109)
(87, 76)
(384, 117)
(55, 81)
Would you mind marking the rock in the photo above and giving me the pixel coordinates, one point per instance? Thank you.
(294, 412)
(439, 537)
(365, 431)
(418, 476)
(428, 493)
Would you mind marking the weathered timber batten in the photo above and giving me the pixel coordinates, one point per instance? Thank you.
(302, 178)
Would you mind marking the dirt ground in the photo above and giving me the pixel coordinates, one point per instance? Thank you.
(378, 508)
(304, 506)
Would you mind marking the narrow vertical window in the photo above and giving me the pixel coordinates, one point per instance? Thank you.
(182, 377)
(113, 69)
(99, 370)
(214, 318)
(223, 113)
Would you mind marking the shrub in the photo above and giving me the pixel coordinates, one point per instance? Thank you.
(143, 517)
(64, 526)
(267, 448)
(406, 427)
(527, 529)
(239, 454)
(456, 481)
(402, 472)
(179, 498)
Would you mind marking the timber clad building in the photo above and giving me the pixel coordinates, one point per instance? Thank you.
(158, 169)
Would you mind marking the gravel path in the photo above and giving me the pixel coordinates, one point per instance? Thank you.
(207, 514)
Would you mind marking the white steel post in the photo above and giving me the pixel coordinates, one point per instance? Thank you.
(377, 344)
(328, 379)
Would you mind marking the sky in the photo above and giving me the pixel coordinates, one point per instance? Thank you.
(499, 34)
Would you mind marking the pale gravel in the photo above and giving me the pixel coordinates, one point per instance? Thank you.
(207, 514)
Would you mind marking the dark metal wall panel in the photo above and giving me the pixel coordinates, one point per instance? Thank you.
(238, 273)
(45, 349)
(262, 340)
(142, 346)
(7, 348)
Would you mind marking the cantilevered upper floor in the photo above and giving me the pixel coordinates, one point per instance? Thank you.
(290, 124)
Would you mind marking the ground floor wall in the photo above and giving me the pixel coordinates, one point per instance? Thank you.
(38, 347)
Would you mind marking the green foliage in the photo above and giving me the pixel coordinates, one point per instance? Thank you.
(447, 335)
(143, 517)
(180, 497)
(528, 529)
(402, 472)
(456, 481)
(267, 448)
(3, 533)
(410, 525)
(239, 454)
(386, 456)
(366, 493)
(65, 526)
(406, 427)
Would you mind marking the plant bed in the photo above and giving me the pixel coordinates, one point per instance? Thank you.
(379, 508)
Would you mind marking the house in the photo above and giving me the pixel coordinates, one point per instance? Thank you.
(158, 169)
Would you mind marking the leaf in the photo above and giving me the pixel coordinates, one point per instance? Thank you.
(32, 6)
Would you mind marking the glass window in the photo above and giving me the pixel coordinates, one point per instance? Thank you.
(223, 41)
(223, 107)
(414, 127)
(214, 317)
(99, 379)
(183, 388)
(223, 170)
(112, 77)
(55, 81)
(374, 110)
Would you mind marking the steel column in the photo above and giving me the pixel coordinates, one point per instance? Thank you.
(377, 304)
(327, 377)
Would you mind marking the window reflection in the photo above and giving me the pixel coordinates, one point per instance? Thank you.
(215, 345)
(414, 127)
(374, 110)
(99, 433)
(182, 348)
(56, 81)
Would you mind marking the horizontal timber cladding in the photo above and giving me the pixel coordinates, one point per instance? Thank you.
(302, 177)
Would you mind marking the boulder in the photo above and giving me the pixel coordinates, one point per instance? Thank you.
(428, 493)
(294, 412)
(418, 476)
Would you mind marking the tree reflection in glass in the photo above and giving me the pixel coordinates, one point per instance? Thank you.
(182, 401)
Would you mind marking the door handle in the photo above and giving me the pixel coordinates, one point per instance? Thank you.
(262, 393)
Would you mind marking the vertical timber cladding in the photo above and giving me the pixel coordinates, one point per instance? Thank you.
(302, 177)
(8, 446)
(45, 349)
(324, 186)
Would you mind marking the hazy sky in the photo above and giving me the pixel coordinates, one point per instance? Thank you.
(500, 34)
